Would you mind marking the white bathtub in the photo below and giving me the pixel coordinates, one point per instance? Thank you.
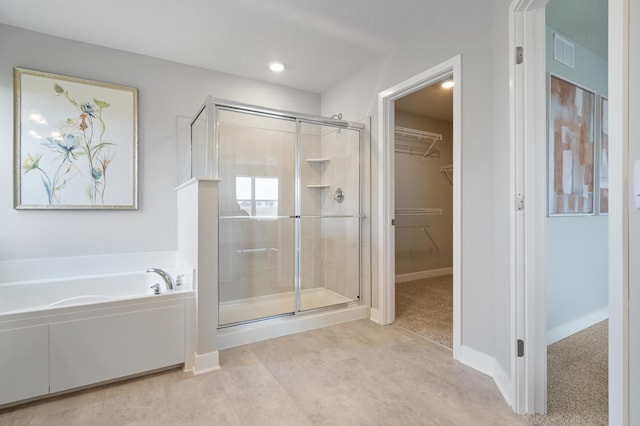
(38, 295)
(61, 334)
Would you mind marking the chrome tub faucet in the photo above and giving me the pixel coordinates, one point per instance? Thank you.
(166, 277)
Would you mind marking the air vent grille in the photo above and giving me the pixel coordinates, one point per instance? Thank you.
(563, 50)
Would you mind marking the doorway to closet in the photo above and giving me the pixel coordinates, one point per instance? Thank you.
(423, 176)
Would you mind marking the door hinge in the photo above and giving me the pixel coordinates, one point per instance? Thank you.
(519, 201)
(393, 222)
(519, 55)
(520, 348)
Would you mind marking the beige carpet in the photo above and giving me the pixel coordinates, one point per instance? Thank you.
(426, 308)
(577, 379)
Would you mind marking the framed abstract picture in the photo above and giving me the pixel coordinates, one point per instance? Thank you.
(76, 143)
(603, 158)
(571, 148)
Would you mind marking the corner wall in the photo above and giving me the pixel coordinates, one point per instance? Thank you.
(454, 27)
(165, 90)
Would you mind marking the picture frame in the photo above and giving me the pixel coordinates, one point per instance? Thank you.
(75, 143)
(571, 148)
(603, 158)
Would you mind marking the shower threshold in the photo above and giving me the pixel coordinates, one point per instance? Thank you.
(235, 311)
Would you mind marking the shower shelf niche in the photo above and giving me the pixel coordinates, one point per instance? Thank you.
(320, 165)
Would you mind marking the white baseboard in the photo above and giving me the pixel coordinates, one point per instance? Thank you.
(491, 367)
(206, 363)
(477, 360)
(503, 381)
(375, 315)
(423, 274)
(269, 329)
(567, 329)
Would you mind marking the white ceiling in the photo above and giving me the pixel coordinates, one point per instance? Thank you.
(320, 41)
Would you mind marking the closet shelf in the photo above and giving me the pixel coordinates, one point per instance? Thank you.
(317, 160)
(418, 212)
(448, 172)
(420, 135)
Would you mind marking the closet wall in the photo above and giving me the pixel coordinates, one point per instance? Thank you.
(423, 242)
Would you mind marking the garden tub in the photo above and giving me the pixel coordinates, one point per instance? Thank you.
(61, 334)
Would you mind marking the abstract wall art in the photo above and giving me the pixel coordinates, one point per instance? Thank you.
(571, 148)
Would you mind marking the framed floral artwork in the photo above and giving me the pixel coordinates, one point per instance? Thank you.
(571, 149)
(76, 143)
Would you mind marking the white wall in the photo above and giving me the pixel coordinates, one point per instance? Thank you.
(166, 90)
(577, 246)
(454, 27)
(634, 215)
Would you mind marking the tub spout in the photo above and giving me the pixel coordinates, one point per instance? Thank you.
(166, 277)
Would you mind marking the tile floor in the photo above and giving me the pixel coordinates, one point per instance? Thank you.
(357, 373)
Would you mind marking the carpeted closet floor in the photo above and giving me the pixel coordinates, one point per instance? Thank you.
(426, 308)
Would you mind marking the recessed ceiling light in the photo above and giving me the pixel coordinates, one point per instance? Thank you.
(447, 84)
(276, 66)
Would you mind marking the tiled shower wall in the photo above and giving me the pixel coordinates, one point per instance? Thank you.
(257, 257)
(341, 251)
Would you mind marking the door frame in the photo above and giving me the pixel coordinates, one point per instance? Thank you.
(528, 155)
(385, 314)
(527, 128)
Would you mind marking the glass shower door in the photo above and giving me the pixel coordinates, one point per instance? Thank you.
(329, 206)
(256, 159)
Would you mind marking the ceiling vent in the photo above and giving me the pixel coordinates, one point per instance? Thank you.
(563, 50)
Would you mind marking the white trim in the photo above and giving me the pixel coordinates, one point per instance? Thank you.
(386, 205)
(477, 360)
(196, 180)
(431, 273)
(206, 363)
(503, 382)
(527, 123)
(375, 315)
(565, 330)
(284, 326)
(618, 212)
(490, 366)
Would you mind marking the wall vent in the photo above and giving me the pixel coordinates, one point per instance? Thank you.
(563, 50)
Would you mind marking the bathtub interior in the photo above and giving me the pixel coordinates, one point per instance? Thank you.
(69, 289)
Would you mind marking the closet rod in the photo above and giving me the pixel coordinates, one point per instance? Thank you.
(418, 212)
(420, 134)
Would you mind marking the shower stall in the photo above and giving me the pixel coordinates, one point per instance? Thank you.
(290, 208)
